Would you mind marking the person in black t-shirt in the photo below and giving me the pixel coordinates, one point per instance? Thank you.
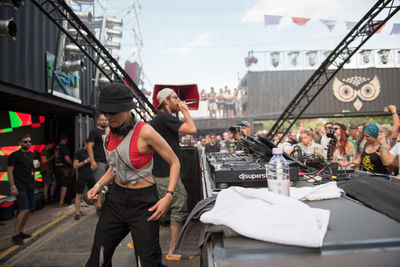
(169, 127)
(63, 164)
(85, 176)
(20, 170)
(95, 149)
(213, 146)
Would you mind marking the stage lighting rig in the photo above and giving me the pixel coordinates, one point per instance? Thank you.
(73, 50)
(114, 33)
(71, 66)
(8, 28)
(112, 21)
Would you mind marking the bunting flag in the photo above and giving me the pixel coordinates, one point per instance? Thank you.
(329, 23)
(395, 29)
(350, 25)
(272, 19)
(376, 26)
(300, 21)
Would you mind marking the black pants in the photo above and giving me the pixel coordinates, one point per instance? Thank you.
(126, 210)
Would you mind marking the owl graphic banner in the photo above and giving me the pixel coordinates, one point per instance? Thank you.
(351, 92)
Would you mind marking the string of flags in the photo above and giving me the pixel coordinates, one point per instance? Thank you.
(330, 24)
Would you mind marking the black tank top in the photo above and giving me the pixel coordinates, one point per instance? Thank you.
(372, 162)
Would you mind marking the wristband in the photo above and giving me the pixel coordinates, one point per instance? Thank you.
(105, 190)
(99, 186)
(382, 146)
(170, 192)
(12, 187)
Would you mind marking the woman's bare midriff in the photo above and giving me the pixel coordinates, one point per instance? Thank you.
(141, 183)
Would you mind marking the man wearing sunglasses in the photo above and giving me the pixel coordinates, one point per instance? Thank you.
(20, 170)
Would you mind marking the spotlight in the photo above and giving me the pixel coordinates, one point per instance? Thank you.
(250, 60)
(8, 28)
(71, 66)
(114, 33)
(112, 21)
(84, 15)
(73, 49)
(11, 3)
(112, 45)
(84, 2)
(104, 81)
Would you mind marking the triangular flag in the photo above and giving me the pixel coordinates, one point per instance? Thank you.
(350, 24)
(396, 28)
(272, 19)
(300, 21)
(329, 23)
(376, 26)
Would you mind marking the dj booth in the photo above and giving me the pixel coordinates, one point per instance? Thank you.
(357, 235)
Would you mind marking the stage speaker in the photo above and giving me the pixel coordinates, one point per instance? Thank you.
(191, 175)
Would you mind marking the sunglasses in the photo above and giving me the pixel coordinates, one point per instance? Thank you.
(328, 127)
(25, 142)
(336, 128)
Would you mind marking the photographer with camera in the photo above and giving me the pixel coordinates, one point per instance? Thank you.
(325, 139)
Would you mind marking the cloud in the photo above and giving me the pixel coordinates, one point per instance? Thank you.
(328, 9)
(201, 41)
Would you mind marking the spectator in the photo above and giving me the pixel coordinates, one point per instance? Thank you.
(20, 171)
(370, 158)
(307, 144)
(396, 125)
(292, 138)
(47, 170)
(229, 102)
(95, 149)
(213, 146)
(353, 134)
(390, 158)
(63, 165)
(221, 104)
(85, 176)
(325, 139)
(212, 104)
(343, 151)
(245, 101)
(245, 128)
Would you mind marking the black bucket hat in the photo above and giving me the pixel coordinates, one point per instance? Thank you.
(115, 97)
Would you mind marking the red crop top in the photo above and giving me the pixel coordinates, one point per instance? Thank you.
(138, 160)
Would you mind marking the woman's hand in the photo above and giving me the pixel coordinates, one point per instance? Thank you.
(160, 208)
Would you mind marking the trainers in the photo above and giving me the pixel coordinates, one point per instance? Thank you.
(23, 235)
(17, 239)
(77, 217)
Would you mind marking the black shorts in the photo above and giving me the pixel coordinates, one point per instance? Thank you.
(82, 182)
(26, 200)
(63, 176)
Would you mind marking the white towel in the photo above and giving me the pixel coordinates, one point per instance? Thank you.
(324, 191)
(263, 215)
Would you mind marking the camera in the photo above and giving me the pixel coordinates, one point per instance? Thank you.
(234, 129)
(330, 133)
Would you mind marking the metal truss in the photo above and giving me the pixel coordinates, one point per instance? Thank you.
(365, 28)
(58, 11)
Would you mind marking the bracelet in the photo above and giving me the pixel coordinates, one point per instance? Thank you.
(105, 190)
(99, 186)
(382, 146)
(12, 187)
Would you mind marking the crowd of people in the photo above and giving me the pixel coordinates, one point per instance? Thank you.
(226, 102)
(368, 147)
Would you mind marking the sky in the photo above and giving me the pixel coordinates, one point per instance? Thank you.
(205, 42)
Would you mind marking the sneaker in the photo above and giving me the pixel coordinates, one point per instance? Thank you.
(17, 240)
(77, 217)
(23, 235)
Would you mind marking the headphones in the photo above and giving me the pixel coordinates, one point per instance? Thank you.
(124, 128)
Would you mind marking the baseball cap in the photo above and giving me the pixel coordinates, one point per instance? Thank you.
(163, 94)
(244, 123)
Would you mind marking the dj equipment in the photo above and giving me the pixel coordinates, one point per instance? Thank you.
(247, 168)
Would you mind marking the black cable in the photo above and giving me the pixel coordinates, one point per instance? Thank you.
(387, 176)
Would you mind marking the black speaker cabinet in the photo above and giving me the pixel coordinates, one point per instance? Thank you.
(191, 175)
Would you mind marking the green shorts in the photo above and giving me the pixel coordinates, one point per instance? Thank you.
(179, 204)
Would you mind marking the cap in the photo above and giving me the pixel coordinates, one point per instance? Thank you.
(372, 130)
(244, 123)
(277, 150)
(163, 94)
(115, 97)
